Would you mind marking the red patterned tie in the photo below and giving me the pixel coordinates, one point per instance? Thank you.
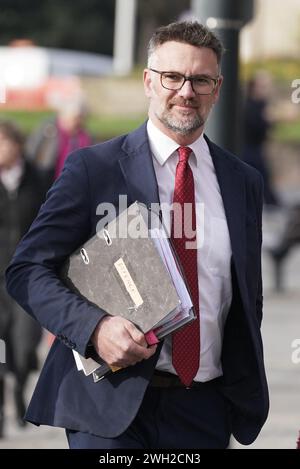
(186, 342)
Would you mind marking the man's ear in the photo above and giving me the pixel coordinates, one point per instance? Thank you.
(147, 82)
(218, 87)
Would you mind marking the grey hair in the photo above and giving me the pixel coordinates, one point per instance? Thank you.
(188, 32)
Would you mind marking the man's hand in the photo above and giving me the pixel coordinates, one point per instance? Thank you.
(119, 343)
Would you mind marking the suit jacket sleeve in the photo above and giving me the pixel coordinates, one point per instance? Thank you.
(61, 226)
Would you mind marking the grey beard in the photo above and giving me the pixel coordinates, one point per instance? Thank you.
(178, 126)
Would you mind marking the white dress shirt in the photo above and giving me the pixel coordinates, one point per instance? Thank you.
(214, 248)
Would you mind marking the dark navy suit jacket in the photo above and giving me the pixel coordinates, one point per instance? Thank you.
(63, 396)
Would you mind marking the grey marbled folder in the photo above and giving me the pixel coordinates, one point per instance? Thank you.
(121, 272)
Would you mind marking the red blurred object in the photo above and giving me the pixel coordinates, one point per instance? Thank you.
(298, 442)
(35, 78)
(26, 99)
(46, 96)
(22, 42)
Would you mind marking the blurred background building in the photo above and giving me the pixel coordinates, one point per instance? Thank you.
(274, 31)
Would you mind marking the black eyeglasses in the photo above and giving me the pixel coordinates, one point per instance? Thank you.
(201, 84)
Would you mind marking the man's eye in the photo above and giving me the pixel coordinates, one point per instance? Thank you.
(201, 81)
(173, 77)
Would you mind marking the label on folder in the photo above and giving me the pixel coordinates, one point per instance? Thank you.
(128, 282)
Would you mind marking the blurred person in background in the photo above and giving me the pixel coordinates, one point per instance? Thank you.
(50, 145)
(288, 238)
(20, 199)
(257, 125)
(56, 138)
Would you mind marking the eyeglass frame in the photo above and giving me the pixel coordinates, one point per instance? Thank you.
(190, 78)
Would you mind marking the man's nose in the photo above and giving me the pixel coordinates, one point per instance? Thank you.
(187, 90)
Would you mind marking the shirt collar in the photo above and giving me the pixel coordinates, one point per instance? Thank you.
(162, 146)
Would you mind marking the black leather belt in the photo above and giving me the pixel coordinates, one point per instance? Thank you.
(163, 379)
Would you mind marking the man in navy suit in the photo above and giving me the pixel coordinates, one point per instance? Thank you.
(149, 404)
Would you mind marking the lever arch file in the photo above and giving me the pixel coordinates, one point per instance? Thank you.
(129, 269)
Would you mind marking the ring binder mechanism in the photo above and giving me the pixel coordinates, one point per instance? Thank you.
(135, 275)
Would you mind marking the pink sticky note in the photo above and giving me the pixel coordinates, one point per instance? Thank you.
(151, 338)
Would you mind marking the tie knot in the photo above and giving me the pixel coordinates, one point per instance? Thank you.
(184, 153)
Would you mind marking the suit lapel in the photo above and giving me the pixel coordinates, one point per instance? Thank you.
(137, 168)
(232, 185)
